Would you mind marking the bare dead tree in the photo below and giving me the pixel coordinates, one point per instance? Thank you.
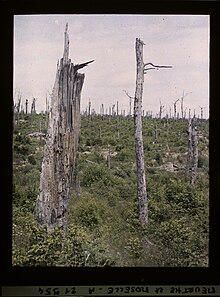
(189, 152)
(185, 112)
(113, 109)
(40, 133)
(102, 111)
(192, 155)
(161, 110)
(26, 106)
(18, 109)
(174, 106)
(182, 98)
(201, 112)
(58, 165)
(130, 101)
(189, 113)
(33, 109)
(195, 152)
(142, 69)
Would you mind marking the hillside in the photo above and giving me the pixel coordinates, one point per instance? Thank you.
(103, 228)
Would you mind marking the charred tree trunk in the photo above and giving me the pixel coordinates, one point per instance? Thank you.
(61, 144)
(141, 181)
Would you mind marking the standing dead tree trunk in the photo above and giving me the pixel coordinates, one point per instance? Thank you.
(141, 180)
(192, 155)
(161, 110)
(195, 152)
(201, 112)
(189, 153)
(18, 109)
(61, 144)
(174, 105)
(26, 106)
(182, 107)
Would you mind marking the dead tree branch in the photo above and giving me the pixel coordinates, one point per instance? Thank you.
(128, 95)
(154, 67)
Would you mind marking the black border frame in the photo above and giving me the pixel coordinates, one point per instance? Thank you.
(105, 276)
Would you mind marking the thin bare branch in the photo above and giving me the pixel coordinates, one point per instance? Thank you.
(176, 101)
(128, 94)
(157, 66)
(151, 68)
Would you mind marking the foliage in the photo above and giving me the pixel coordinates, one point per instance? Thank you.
(103, 222)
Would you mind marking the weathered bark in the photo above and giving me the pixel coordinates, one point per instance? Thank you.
(182, 113)
(141, 181)
(161, 110)
(33, 110)
(175, 108)
(189, 153)
(195, 152)
(117, 109)
(61, 145)
(192, 155)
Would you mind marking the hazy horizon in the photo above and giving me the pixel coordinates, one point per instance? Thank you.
(178, 40)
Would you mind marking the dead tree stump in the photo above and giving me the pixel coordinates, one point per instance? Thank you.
(61, 143)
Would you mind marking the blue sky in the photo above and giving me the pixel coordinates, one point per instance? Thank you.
(178, 40)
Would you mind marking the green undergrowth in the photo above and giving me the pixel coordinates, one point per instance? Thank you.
(103, 223)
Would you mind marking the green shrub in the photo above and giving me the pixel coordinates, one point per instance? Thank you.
(89, 212)
(31, 160)
(94, 173)
(134, 247)
(159, 159)
(203, 162)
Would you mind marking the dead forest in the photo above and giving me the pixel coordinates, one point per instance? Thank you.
(109, 188)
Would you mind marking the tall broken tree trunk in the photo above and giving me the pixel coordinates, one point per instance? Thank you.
(61, 144)
(141, 181)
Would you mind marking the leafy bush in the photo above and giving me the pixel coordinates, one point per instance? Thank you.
(178, 243)
(159, 158)
(181, 194)
(93, 173)
(31, 160)
(203, 162)
(89, 212)
(134, 247)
